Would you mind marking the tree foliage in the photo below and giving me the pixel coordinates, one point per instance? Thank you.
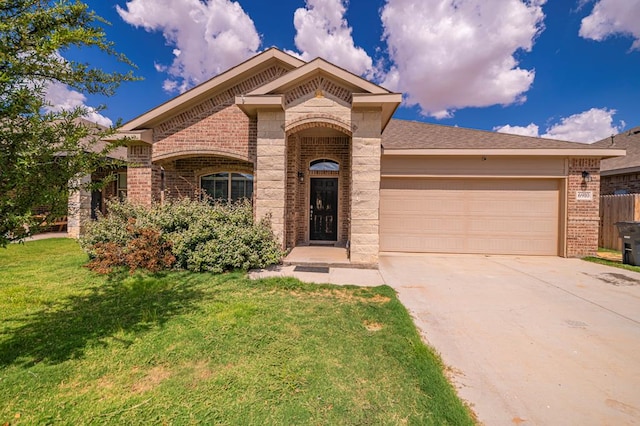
(43, 151)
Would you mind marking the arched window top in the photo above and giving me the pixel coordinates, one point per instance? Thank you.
(324, 165)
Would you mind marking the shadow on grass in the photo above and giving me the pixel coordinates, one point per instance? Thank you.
(63, 330)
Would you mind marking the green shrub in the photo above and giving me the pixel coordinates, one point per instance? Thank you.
(200, 236)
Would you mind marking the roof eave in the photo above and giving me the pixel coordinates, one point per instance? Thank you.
(387, 102)
(553, 152)
(251, 104)
(622, 171)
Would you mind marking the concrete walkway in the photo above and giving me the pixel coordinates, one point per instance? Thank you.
(339, 276)
(530, 340)
(322, 265)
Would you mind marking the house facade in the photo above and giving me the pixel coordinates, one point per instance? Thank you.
(316, 149)
(621, 175)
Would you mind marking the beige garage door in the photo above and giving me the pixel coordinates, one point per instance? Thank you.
(491, 216)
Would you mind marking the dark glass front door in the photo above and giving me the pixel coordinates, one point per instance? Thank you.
(323, 211)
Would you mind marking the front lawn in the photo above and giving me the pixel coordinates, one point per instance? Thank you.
(187, 348)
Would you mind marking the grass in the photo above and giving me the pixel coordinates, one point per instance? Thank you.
(184, 348)
(614, 263)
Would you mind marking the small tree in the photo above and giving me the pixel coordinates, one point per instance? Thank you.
(43, 152)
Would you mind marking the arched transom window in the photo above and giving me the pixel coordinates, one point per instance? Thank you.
(324, 165)
(227, 186)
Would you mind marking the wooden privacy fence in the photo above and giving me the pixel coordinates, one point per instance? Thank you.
(616, 208)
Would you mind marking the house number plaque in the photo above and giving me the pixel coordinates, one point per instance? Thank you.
(584, 195)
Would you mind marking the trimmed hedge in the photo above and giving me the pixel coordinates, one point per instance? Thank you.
(186, 234)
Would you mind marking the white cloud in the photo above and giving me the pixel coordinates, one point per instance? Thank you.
(208, 36)
(61, 98)
(610, 17)
(323, 32)
(459, 53)
(530, 130)
(587, 127)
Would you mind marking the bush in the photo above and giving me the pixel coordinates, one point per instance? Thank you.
(198, 235)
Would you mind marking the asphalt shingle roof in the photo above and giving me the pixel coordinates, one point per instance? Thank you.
(402, 134)
(629, 140)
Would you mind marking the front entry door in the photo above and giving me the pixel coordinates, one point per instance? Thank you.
(323, 209)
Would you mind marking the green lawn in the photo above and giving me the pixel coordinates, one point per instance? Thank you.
(184, 348)
(611, 258)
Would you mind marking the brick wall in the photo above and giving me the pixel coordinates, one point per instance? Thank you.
(583, 221)
(143, 177)
(216, 125)
(629, 182)
(227, 131)
(181, 177)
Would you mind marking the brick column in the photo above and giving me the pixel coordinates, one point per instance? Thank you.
(270, 179)
(143, 177)
(583, 217)
(79, 209)
(365, 186)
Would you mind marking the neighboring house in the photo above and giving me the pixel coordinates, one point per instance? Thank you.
(84, 205)
(315, 148)
(621, 175)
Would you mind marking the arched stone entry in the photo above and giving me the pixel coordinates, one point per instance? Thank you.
(307, 215)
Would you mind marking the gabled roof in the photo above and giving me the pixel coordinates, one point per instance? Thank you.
(364, 93)
(319, 66)
(403, 137)
(200, 93)
(630, 141)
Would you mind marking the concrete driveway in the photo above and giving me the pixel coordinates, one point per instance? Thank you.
(529, 340)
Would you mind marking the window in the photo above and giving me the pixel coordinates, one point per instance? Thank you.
(228, 186)
(121, 186)
(324, 165)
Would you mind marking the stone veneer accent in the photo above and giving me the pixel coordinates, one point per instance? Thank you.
(79, 209)
(583, 217)
(270, 177)
(365, 186)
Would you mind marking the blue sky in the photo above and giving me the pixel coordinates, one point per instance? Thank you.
(566, 69)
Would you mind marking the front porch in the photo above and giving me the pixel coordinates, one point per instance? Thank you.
(318, 256)
(323, 264)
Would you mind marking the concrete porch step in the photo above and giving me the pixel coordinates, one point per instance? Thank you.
(318, 256)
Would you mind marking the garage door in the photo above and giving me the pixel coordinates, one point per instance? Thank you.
(490, 216)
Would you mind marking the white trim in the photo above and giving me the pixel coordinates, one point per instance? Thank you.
(444, 176)
(514, 152)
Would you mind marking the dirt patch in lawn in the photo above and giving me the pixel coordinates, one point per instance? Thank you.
(154, 377)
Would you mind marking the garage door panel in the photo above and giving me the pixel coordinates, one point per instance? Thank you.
(493, 216)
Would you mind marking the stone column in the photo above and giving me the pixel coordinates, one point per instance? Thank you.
(79, 208)
(143, 177)
(365, 186)
(270, 179)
